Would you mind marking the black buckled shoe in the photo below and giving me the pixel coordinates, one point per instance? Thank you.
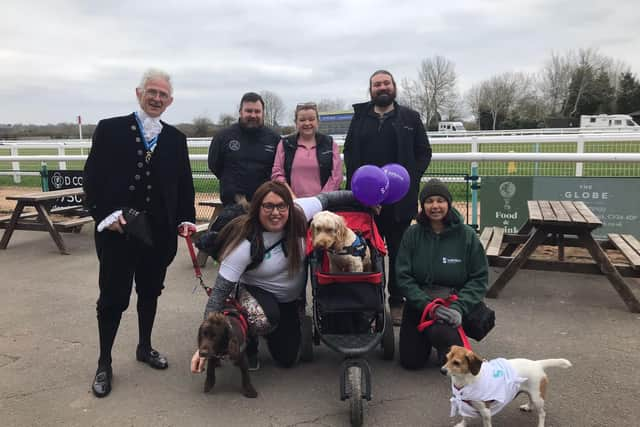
(152, 358)
(101, 386)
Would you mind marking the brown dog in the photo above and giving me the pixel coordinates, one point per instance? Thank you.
(220, 336)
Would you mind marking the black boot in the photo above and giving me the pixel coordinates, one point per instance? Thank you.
(108, 323)
(146, 316)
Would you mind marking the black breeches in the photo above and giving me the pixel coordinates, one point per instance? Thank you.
(415, 346)
(123, 261)
(284, 341)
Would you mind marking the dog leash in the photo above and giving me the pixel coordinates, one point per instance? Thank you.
(429, 317)
(196, 267)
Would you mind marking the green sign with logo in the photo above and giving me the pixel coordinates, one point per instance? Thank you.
(616, 201)
(503, 201)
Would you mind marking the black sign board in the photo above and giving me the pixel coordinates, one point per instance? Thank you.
(63, 179)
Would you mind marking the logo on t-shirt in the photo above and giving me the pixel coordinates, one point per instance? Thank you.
(234, 145)
(446, 260)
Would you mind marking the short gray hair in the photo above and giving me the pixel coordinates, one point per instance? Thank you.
(153, 74)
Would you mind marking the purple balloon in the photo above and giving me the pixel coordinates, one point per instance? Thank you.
(399, 182)
(369, 185)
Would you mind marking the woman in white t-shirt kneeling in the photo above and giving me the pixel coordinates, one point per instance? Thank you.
(263, 252)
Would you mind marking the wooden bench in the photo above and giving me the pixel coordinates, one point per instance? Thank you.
(6, 218)
(491, 239)
(41, 219)
(629, 246)
(75, 224)
(33, 214)
(560, 223)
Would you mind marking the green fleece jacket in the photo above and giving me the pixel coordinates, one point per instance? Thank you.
(454, 258)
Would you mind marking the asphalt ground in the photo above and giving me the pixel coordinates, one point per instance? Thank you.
(49, 350)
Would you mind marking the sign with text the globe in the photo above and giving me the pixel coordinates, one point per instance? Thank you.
(616, 201)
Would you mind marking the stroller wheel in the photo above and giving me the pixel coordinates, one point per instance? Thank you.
(356, 400)
(388, 342)
(306, 344)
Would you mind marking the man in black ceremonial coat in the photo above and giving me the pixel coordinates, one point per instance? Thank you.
(139, 190)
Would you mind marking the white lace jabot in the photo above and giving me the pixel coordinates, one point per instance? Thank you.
(151, 126)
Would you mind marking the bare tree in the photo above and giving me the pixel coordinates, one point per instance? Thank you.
(615, 70)
(410, 94)
(501, 93)
(555, 81)
(226, 119)
(453, 108)
(203, 126)
(589, 62)
(567, 79)
(437, 77)
(327, 105)
(273, 108)
(474, 98)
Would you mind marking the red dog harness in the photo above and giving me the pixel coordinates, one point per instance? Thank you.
(233, 308)
(430, 314)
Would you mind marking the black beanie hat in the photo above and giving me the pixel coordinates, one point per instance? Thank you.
(435, 187)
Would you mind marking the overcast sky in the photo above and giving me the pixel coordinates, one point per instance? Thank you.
(63, 58)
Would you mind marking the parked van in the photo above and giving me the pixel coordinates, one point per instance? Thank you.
(451, 127)
(608, 121)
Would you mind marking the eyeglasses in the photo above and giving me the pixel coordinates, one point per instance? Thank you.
(307, 106)
(157, 93)
(269, 207)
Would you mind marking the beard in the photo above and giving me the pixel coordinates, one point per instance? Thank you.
(250, 124)
(384, 98)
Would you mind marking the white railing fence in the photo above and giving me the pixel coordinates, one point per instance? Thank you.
(607, 154)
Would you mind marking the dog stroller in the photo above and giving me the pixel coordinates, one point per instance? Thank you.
(349, 314)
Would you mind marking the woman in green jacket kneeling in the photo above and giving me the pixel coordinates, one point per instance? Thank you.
(439, 256)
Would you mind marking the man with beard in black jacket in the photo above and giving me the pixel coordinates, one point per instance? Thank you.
(382, 132)
(241, 156)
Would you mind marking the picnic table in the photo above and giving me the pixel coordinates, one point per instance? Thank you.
(201, 228)
(561, 224)
(73, 217)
